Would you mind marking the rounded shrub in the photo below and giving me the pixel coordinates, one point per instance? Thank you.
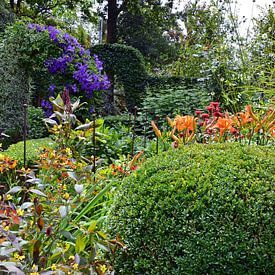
(202, 209)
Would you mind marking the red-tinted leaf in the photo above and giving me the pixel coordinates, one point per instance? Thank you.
(40, 223)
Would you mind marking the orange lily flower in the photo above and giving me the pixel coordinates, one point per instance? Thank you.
(223, 124)
(244, 118)
(185, 122)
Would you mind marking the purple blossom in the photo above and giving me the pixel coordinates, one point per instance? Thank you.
(47, 107)
(72, 88)
(98, 63)
(53, 32)
(68, 65)
(91, 109)
(51, 89)
(58, 65)
(39, 28)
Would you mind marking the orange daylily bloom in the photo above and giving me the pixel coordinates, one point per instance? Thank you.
(223, 124)
(272, 131)
(250, 113)
(185, 122)
(244, 118)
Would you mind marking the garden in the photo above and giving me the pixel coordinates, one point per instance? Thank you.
(136, 137)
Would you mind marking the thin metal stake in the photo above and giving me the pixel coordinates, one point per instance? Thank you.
(134, 131)
(94, 147)
(145, 129)
(25, 106)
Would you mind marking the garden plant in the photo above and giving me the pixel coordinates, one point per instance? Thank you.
(136, 137)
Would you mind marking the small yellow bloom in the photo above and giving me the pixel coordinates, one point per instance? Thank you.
(34, 273)
(71, 257)
(34, 267)
(64, 187)
(75, 266)
(66, 196)
(17, 257)
(8, 197)
(20, 212)
(53, 267)
(7, 228)
(103, 268)
(68, 151)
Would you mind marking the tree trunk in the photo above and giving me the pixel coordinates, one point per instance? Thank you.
(12, 4)
(112, 21)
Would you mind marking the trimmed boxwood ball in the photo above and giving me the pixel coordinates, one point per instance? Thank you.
(202, 209)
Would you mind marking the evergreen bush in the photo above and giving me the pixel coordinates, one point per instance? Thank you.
(203, 209)
(128, 66)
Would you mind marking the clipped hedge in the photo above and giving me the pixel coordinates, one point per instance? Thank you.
(203, 209)
(33, 146)
(128, 67)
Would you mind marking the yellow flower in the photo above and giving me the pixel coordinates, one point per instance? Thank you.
(68, 151)
(7, 228)
(66, 196)
(71, 257)
(75, 266)
(20, 212)
(8, 197)
(34, 273)
(103, 268)
(17, 257)
(53, 267)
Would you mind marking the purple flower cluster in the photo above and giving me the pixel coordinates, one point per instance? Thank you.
(47, 107)
(74, 63)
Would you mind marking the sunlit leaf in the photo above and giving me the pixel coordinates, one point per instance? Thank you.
(63, 211)
(79, 244)
(14, 189)
(37, 192)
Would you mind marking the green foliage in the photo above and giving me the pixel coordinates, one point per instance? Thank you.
(14, 92)
(128, 67)
(36, 125)
(34, 146)
(175, 95)
(143, 27)
(22, 53)
(203, 209)
(5, 16)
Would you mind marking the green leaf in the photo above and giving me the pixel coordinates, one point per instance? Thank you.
(37, 192)
(14, 189)
(92, 226)
(93, 202)
(79, 244)
(84, 126)
(102, 235)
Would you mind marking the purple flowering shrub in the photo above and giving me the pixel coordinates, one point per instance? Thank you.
(79, 72)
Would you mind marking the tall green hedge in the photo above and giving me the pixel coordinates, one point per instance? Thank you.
(128, 66)
(204, 209)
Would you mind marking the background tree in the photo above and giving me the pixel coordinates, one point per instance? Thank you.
(151, 28)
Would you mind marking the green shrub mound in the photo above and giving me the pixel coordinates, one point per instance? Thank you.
(203, 209)
(33, 148)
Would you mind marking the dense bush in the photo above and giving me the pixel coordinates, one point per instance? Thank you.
(33, 146)
(204, 209)
(16, 66)
(36, 126)
(128, 67)
(6, 16)
(174, 95)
